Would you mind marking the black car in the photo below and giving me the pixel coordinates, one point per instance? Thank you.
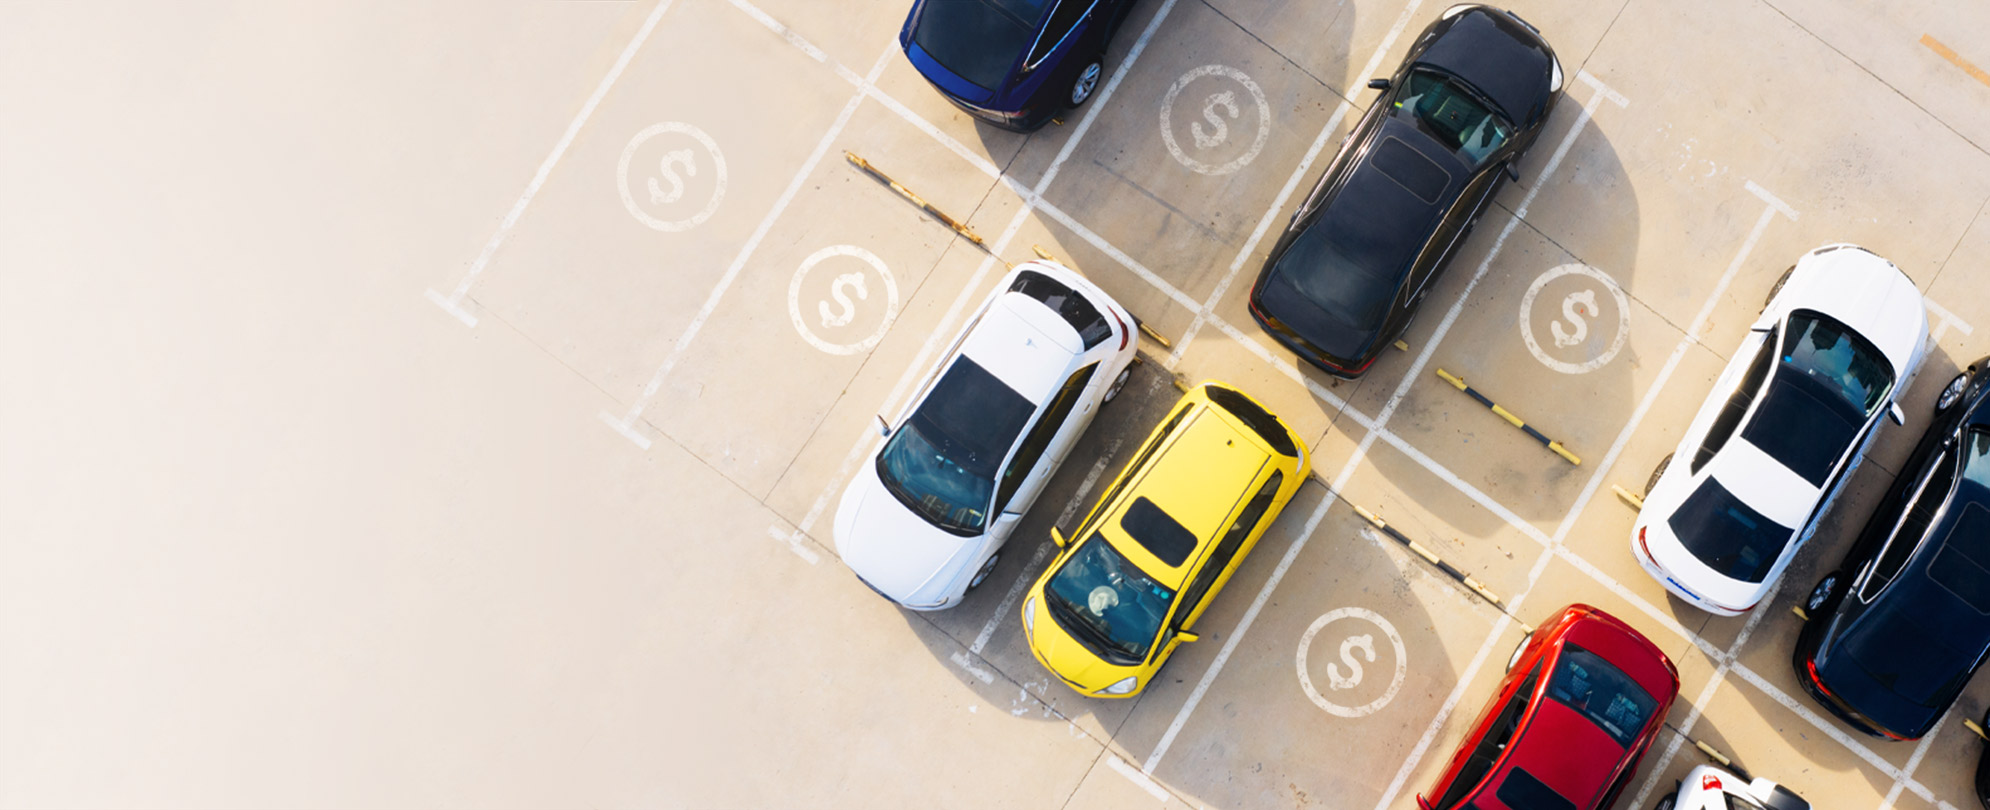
(1895, 632)
(1392, 207)
(1012, 63)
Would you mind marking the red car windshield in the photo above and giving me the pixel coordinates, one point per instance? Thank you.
(1602, 693)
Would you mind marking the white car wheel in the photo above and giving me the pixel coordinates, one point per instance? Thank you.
(986, 569)
(1657, 473)
(1952, 393)
(1118, 383)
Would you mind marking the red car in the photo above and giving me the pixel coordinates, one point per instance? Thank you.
(1583, 697)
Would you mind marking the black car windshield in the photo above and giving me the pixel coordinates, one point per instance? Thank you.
(1839, 358)
(941, 462)
(1728, 535)
(1583, 681)
(1107, 602)
(978, 39)
(1448, 110)
(1903, 655)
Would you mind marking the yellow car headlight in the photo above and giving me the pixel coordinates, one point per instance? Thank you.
(1029, 617)
(1124, 686)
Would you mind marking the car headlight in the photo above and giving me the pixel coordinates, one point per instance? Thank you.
(1121, 688)
(1555, 79)
(1029, 617)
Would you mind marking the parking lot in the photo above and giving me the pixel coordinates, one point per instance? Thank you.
(713, 304)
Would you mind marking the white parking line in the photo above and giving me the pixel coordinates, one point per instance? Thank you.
(626, 424)
(1285, 193)
(1339, 483)
(1921, 750)
(1137, 777)
(971, 290)
(453, 302)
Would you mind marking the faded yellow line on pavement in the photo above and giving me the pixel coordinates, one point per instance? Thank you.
(1948, 53)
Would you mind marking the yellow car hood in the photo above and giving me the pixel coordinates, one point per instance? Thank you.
(1068, 658)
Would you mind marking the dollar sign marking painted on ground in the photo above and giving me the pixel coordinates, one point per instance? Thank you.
(1366, 644)
(849, 307)
(1564, 337)
(681, 157)
(1228, 101)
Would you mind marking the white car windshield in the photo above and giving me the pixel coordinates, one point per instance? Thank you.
(941, 463)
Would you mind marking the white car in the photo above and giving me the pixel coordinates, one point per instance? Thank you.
(1710, 788)
(1788, 421)
(924, 520)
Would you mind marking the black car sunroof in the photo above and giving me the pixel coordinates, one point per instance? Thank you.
(1410, 169)
(1963, 566)
(1169, 541)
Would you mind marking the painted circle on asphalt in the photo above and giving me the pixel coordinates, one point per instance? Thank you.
(1575, 323)
(831, 309)
(1214, 113)
(1350, 660)
(670, 176)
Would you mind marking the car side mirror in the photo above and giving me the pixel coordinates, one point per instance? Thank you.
(1378, 84)
(1058, 538)
(1899, 416)
(884, 428)
(1511, 172)
(1186, 637)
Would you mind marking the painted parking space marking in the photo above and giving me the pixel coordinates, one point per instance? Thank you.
(1346, 673)
(1946, 52)
(1945, 319)
(670, 173)
(1133, 775)
(1578, 326)
(837, 293)
(453, 302)
(1212, 111)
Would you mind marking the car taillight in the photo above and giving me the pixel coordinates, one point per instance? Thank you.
(1122, 329)
(1710, 782)
(1646, 547)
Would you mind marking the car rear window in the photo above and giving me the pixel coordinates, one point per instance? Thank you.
(1963, 566)
(1067, 303)
(1726, 534)
(1258, 419)
(978, 39)
(1169, 541)
(1595, 689)
(1523, 791)
(1901, 654)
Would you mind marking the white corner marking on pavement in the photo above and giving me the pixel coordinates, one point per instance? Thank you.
(1136, 777)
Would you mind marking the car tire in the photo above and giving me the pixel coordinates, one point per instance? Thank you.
(1822, 595)
(1118, 384)
(1086, 83)
(1517, 649)
(986, 569)
(1666, 801)
(1657, 472)
(1952, 393)
(1780, 281)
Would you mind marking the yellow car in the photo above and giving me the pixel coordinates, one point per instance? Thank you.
(1162, 541)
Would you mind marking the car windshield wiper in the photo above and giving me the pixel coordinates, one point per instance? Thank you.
(1094, 636)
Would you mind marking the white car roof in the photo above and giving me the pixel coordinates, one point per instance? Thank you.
(1764, 483)
(1025, 345)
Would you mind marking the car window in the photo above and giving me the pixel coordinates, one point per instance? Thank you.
(978, 40)
(1728, 535)
(1737, 405)
(1497, 735)
(1226, 549)
(1524, 791)
(1599, 691)
(1139, 461)
(1842, 361)
(1067, 303)
(1451, 112)
(941, 463)
(1047, 425)
(1062, 20)
(1803, 426)
(1912, 525)
(1107, 603)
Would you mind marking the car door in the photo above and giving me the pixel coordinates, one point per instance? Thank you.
(1223, 559)
(1502, 721)
(1069, 17)
(1040, 450)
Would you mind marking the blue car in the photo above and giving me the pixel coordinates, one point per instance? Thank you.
(1012, 63)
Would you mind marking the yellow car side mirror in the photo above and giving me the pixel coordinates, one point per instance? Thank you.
(1058, 538)
(1186, 637)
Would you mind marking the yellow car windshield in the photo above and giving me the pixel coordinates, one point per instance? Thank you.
(1107, 603)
